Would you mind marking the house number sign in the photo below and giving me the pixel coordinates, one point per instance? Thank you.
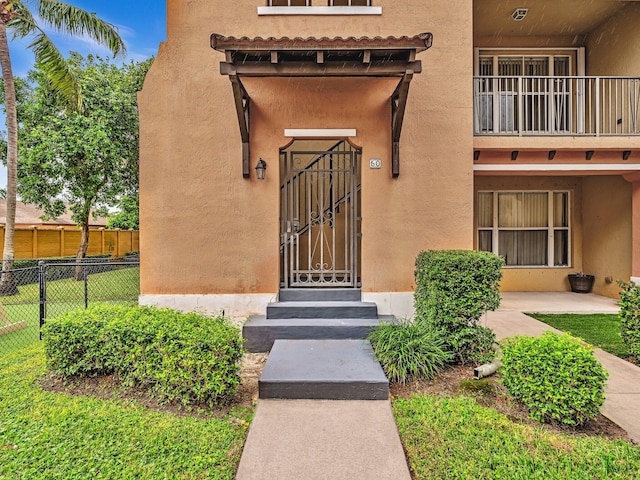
(375, 163)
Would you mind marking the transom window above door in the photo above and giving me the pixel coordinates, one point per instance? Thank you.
(325, 3)
(519, 65)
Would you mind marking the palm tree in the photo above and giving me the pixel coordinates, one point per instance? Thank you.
(16, 16)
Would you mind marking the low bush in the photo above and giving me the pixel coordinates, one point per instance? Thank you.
(556, 376)
(409, 351)
(188, 357)
(453, 289)
(630, 317)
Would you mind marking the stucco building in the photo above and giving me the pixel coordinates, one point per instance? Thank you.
(511, 126)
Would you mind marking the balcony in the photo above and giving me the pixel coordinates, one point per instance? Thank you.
(556, 106)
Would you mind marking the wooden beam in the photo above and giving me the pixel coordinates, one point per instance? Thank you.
(242, 102)
(398, 106)
(313, 69)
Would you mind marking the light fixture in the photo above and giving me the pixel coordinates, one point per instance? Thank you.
(261, 169)
(552, 154)
(514, 155)
(519, 14)
(588, 154)
(626, 154)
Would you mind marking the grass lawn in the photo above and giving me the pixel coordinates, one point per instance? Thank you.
(456, 438)
(600, 330)
(50, 435)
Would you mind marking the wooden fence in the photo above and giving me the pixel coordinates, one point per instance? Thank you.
(41, 242)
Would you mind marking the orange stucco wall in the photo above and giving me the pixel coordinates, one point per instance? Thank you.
(208, 230)
(635, 227)
(607, 231)
(614, 47)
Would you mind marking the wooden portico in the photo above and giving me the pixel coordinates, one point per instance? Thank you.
(321, 57)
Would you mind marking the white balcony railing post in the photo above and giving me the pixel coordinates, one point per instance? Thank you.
(520, 107)
(580, 105)
(496, 105)
(597, 106)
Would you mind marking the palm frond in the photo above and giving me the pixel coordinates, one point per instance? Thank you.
(22, 24)
(59, 73)
(72, 20)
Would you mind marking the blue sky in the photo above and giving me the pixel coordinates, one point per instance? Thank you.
(141, 23)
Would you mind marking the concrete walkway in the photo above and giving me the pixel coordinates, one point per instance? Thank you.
(323, 439)
(358, 440)
(622, 402)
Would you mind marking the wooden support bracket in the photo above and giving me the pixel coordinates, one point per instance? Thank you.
(242, 102)
(398, 105)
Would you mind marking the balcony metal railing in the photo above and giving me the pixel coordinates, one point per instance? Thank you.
(589, 106)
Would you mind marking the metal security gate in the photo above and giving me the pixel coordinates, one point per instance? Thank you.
(319, 221)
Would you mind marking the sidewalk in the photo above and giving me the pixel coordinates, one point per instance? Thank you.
(323, 439)
(622, 402)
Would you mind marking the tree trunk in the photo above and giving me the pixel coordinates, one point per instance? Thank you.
(82, 249)
(8, 281)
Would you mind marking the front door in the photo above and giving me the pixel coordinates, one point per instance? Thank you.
(319, 214)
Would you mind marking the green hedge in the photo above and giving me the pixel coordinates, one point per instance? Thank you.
(556, 376)
(453, 289)
(630, 316)
(188, 357)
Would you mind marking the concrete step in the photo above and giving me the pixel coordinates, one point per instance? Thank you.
(320, 294)
(260, 333)
(323, 369)
(325, 309)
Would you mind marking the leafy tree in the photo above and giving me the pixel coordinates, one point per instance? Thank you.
(81, 159)
(25, 19)
(128, 218)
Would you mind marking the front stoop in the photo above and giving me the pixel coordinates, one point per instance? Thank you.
(260, 332)
(323, 369)
(322, 309)
(312, 314)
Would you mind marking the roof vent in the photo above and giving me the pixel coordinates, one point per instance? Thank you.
(519, 14)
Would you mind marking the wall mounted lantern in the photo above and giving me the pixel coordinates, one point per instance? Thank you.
(261, 169)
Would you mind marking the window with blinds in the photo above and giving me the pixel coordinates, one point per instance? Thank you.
(526, 228)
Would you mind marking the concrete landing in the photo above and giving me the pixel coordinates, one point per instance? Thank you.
(323, 369)
(558, 302)
(322, 440)
(260, 332)
(322, 309)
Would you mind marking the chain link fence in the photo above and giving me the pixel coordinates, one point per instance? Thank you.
(42, 289)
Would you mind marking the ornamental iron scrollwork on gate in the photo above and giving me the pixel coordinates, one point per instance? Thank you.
(319, 217)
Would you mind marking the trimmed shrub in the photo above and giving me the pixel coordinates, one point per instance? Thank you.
(453, 289)
(78, 342)
(630, 316)
(556, 376)
(409, 351)
(188, 357)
